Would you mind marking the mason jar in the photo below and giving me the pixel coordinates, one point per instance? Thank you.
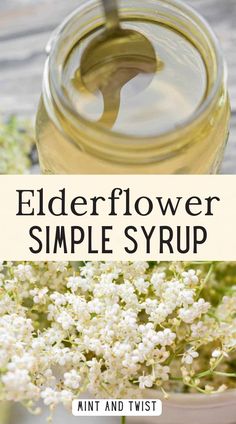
(69, 143)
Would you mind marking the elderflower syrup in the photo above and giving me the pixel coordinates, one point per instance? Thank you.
(122, 118)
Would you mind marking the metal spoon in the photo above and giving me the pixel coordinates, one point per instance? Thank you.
(127, 52)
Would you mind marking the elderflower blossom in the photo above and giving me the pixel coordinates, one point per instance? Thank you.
(145, 381)
(189, 356)
(72, 379)
(16, 142)
(115, 329)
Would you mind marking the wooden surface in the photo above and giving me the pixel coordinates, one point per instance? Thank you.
(25, 26)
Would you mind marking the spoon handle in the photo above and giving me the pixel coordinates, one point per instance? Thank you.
(111, 14)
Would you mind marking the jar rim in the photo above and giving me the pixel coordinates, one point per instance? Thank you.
(118, 141)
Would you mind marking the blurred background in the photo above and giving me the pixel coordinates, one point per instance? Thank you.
(25, 27)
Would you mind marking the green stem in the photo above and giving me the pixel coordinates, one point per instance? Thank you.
(123, 420)
(205, 281)
(226, 374)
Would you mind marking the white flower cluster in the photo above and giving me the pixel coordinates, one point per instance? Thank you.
(16, 142)
(113, 328)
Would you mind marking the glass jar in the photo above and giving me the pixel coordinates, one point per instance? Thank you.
(70, 144)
